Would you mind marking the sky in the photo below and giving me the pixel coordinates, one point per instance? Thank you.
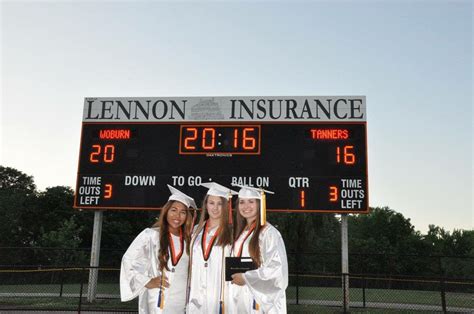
(411, 59)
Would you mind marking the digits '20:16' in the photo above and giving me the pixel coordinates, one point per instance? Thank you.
(205, 138)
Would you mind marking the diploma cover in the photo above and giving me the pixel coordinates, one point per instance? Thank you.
(234, 265)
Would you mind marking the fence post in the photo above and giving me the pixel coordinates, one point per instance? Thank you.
(443, 294)
(364, 284)
(364, 279)
(297, 278)
(442, 285)
(62, 282)
(80, 292)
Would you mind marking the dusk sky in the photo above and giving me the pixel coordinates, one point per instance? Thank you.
(411, 59)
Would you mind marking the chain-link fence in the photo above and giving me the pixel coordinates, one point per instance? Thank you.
(69, 288)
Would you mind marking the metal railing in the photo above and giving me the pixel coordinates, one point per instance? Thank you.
(65, 289)
(376, 281)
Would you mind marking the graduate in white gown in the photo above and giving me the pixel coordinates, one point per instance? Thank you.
(261, 290)
(155, 266)
(210, 245)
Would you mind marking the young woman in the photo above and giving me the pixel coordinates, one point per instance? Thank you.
(210, 245)
(261, 290)
(155, 266)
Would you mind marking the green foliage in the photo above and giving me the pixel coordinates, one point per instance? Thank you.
(17, 195)
(65, 237)
(12, 180)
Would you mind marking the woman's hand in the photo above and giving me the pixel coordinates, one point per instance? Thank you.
(156, 283)
(238, 279)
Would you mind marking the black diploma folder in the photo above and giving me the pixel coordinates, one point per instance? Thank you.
(234, 265)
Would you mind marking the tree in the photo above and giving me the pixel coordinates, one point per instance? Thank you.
(388, 234)
(66, 237)
(48, 213)
(17, 194)
(455, 250)
(12, 180)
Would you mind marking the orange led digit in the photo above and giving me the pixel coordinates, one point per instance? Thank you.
(333, 197)
(349, 157)
(193, 137)
(96, 151)
(236, 138)
(212, 133)
(109, 153)
(108, 191)
(302, 200)
(248, 142)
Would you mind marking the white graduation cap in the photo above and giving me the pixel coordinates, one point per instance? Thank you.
(258, 193)
(216, 189)
(177, 195)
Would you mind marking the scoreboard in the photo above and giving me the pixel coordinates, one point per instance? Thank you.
(310, 150)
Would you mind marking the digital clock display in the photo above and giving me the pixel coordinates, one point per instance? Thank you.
(205, 139)
(312, 166)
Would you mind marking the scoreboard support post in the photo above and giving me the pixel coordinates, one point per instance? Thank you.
(345, 262)
(95, 254)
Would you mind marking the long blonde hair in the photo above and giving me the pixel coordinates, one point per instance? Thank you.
(162, 224)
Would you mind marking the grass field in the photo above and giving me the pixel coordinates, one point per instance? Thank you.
(308, 296)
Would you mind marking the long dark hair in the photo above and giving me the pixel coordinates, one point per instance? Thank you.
(225, 236)
(254, 245)
(162, 224)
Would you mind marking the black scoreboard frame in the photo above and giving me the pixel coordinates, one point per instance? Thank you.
(113, 152)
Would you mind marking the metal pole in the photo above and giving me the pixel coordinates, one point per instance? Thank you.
(297, 278)
(345, 261)
(95, 252)
(442, 286)
(62, 282)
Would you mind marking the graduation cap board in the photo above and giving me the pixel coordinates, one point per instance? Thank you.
(217, 189)
(177, 195)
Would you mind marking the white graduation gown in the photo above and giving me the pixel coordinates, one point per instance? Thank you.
(267, 284)
(206, 282)
(140, 264)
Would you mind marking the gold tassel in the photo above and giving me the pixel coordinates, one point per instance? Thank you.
(230, 209)
(161, 296)
(263, 209)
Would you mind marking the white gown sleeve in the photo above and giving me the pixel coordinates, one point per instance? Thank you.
(268, 283)
(136, 268)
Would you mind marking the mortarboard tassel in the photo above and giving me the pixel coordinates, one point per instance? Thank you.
(161, 297)
(263, 209)
(230, 209)
(255, 306)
